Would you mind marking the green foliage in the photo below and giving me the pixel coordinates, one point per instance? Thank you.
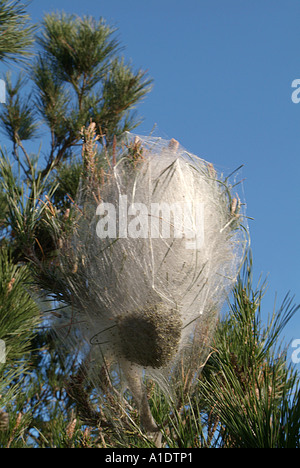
(19, 316)
(121, 90)
(79, 77)
(18, 114)
(66, 176)
(25, 207)
(79, 49)
(16, 33)
(16, 328)
(249, 387)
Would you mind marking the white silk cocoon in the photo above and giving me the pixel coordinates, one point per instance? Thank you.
(151, 262)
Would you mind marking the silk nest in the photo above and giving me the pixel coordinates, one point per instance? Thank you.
(157, 241)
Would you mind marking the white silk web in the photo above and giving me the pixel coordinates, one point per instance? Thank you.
(155, 250)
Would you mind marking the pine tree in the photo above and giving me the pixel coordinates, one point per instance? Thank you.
(247, 394)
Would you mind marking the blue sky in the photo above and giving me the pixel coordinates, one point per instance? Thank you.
(222, 75)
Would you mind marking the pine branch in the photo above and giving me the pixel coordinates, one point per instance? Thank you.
(248, 383)
(16, 33)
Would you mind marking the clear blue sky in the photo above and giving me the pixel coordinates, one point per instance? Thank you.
(222, 75)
